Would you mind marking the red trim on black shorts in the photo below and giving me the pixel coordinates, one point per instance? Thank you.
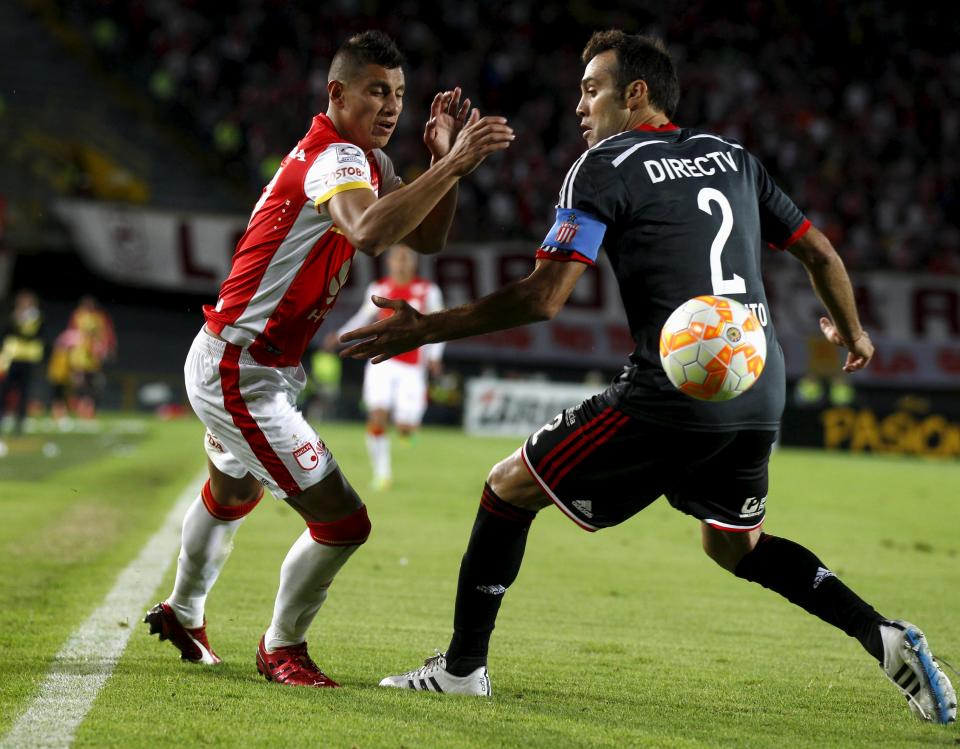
(244, 421)
(717, 525)
(605, 412)
(553, 497)
(608, 430)
(555, 461)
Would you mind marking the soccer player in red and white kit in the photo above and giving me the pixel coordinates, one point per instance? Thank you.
(335, 193)
(397, 388)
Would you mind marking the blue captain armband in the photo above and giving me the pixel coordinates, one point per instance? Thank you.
(575, 235)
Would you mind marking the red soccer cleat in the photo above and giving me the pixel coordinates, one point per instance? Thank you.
(192, 643)
(291, 665)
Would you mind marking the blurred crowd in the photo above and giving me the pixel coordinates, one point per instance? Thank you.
(853, 106)
(74, 362)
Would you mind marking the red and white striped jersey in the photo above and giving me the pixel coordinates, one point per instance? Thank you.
(291, 261)
(423, 295)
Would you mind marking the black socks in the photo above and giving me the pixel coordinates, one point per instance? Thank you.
(796, 574)
(490, 565)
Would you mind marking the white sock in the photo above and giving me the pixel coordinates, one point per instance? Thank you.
(206, 545)
(378, 448)
(307, 572)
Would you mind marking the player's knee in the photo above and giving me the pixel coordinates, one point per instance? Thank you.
(231, 502)
(352, 530)
(505, 474)
(511, 481)
(727, 548)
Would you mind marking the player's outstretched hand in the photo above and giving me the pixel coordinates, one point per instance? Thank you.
(859, 353)
(447, 118)
(480, 137)
(402, 331)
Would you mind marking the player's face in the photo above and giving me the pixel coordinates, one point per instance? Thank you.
(371, 104)
(602, 108)
(401, 264)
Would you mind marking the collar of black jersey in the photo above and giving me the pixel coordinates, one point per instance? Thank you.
(668, 127)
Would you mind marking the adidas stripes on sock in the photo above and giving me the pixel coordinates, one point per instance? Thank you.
(490, 565)
(799, 576)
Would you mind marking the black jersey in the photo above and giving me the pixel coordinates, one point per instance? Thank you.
(680, 213)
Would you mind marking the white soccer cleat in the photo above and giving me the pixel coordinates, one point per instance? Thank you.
(433, 676)
(909, 664)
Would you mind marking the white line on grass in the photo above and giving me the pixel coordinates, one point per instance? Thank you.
(88, 658)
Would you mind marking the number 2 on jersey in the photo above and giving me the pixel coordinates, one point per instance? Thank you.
(721, 285)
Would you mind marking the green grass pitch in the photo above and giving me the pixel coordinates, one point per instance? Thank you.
(627, 638)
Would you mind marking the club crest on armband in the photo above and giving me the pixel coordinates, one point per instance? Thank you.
(567, 230)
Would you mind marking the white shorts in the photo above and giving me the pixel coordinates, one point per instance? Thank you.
(397, 387)
(253, 423)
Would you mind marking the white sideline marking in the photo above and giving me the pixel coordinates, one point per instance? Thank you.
(88, 658)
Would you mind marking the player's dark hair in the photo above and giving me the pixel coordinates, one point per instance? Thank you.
(366, 48)
(640, 57)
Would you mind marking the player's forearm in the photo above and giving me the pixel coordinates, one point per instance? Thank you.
(832, 284)
(513, 306)
(431, 235)
(396, 215)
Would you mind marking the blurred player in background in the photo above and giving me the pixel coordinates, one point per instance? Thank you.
(335, 193)
(95, 343)
(397, 389)
(21, 351)
(680, 213)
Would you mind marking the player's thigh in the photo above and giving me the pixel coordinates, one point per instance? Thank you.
(253, 424)
(410, 400)
(379, 383)
(597, 464)
(727, 480)
(232, 490)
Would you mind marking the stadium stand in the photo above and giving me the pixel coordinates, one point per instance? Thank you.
(851, 101)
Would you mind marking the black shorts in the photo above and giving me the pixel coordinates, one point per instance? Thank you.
(601, 466)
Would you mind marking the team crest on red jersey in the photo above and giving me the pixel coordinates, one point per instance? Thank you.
(567, 230)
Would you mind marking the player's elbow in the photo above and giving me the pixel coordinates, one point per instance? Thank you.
(544, 307)
(428, 246)
(815, 251)
(367, 243)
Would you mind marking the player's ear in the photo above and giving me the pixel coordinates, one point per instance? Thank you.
(335, 91)
(636, 94)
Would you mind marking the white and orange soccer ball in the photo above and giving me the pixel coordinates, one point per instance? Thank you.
(712, 348)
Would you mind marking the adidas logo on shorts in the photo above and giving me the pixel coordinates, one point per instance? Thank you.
(584, 507)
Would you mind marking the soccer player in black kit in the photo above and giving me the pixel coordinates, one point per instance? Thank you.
(680, 213)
